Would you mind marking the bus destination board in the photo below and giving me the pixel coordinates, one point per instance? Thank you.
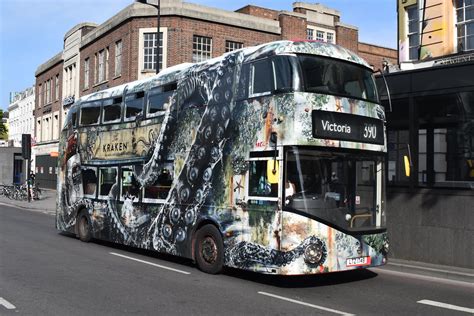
(349, 127)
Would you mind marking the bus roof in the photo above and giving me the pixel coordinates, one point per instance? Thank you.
(304, 47)
(174, 73)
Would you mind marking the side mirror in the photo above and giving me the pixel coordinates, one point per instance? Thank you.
(406, 161)
(273, 173)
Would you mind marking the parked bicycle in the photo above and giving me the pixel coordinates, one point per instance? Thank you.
(20, 192)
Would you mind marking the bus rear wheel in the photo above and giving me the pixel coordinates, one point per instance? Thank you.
(83, 223)
(209, 249)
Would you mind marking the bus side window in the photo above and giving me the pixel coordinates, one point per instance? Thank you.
(71, 119)
(108, 177)
(74, 119)
(89, 181)
(130, 188)
(284, 73)
(242, 92)
(261, 82)
(160, 189)
(133, 105)
(90, 113)
(112, 110)
(159, 97)
(259, 184)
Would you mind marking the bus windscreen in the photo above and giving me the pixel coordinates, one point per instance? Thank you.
(331, 76)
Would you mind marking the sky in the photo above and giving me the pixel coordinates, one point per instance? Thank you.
(32, 31)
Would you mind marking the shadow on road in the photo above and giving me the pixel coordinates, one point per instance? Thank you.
(299, 281)
(302, 281)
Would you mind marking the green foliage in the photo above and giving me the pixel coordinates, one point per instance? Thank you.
(3, 128)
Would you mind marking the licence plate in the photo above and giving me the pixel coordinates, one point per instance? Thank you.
(358, 262)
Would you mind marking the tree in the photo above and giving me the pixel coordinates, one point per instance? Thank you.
(3, 128)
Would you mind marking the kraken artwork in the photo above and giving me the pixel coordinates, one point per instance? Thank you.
(202, 139)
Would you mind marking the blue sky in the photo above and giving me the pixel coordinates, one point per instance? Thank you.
(32, 31)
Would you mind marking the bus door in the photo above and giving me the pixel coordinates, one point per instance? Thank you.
(263, 196)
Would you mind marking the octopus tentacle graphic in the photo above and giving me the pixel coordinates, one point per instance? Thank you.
(245, 254)
(173, 224)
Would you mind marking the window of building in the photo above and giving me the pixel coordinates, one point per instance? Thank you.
(86, 73)
(96, 61)
(444, 142)
(90, 113)
(56, 90)
(40, 99)
(133, 105)
(118, 58)
(320, 36)
(231, 46)
(465, 24)
(330, 37)
(413, 32)
(70, 86)
(101, 66)
(106, 65)
(202, 48)
(309, 34)
(48, 91)
(112, 110)
(108, 177)
(149, 51)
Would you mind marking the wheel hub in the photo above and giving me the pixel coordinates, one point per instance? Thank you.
(209, 250)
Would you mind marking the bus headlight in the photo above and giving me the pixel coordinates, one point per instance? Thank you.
(315, 253)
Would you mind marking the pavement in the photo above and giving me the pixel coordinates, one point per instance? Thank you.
(47, 205)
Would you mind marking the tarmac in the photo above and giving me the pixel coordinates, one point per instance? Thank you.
(47, 205)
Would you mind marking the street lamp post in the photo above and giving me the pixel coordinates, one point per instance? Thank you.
(157, 6)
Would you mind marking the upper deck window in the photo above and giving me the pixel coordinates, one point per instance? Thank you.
(260, 75)
(133, 105)
(285, 74)
(90, 113)
(332, 76)
(71, 118)
(112, 110)
(159, 97)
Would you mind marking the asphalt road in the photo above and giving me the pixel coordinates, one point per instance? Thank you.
(43, 272)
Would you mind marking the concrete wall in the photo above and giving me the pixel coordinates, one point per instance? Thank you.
(432, 225)
(6, 164)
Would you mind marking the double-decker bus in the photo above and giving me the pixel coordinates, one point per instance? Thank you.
(269, 159)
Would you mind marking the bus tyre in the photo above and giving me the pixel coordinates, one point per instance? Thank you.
(209, 249)
(83, 223)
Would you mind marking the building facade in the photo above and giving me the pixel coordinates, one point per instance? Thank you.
(430, 211)
(123, 49)
(4, 135)
(48, 116)
(21, 117)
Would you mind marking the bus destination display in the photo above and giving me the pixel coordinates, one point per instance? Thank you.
(343, 126)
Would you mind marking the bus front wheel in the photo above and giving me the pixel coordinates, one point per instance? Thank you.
(83, 223)
(209, 249)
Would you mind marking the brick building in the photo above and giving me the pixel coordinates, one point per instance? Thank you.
(123, 49)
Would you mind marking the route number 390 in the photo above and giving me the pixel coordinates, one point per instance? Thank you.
(370, 131)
